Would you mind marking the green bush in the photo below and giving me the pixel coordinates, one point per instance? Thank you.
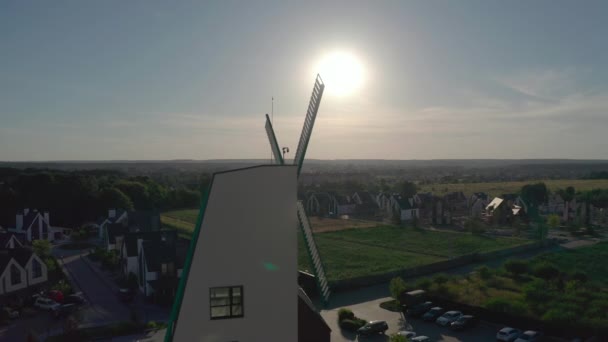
(505, 305)
(440, 279)
(579, 276)
(424, 284)
(516, 267)
(484, 272)
(345, 313)
(397, 338)
(352, 324)
(62, 286)
(546, 272)
(397, 286)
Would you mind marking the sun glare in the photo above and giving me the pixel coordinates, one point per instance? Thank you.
(341, 72)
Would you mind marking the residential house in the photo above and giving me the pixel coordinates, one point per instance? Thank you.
(35, 225)
(114, 216)
(159, 265)
(114, 235)
(499, 211)
(345, 206)
(404, 208)
(11, 240)
(425, 203)
(366, 204)
(20, 269)
(321, 204)
(384, 201)
(457, 203)
(440, 211)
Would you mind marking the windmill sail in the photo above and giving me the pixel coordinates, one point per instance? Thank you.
(309, 122)
(274, 145)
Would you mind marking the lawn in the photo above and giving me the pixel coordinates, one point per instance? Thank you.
(368, 251)
(498, 188)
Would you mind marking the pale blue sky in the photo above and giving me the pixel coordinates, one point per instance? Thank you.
(192, 79)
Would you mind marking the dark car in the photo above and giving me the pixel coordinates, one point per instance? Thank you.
(420, 309)
(373, 327)
(63, 310)
(74, 299)
(433, 314)
(464, 322)
(126, 295)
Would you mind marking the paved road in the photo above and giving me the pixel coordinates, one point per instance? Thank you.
(103, 304)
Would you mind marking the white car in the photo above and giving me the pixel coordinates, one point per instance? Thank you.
(420, 339)
(448, 317)
(408, 334)
(46, 303)
(529, 336)
(508, 334)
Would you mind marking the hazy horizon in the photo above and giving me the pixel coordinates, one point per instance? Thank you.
(151, 80)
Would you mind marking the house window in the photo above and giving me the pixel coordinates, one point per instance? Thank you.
(15, 275)
(37, 269)
(226, 302)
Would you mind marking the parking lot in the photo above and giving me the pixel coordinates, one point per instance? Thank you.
(363, 305)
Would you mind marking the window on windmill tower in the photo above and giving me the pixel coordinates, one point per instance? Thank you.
(226, 302)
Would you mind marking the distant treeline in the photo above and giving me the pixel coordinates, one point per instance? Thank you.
(598, 175)
(76, 197)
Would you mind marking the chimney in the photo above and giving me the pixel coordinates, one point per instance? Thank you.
(19, 222)
(111, 213)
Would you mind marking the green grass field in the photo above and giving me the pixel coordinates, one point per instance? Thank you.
(590, 260)
(497, 188)
(368, 251)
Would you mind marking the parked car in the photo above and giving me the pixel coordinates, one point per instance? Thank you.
(464, 322)
(373, 327)
(420, 309)
(529, 336)
(55, 295)
(126, 295)
(447, 318)
(74, 299)
(63, 310)
(407, 334)
(433, 314)
(420, 339)
(45, 303)
(508, 334)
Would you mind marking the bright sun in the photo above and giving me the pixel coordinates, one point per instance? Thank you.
(341, 72)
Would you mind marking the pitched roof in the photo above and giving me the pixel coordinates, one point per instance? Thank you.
(5, 238)
(158, 251)
(496, 202)
(342, 200)
(365, 197)
(21, 255)
(144, 221)
(114, 230)
(404, 203)
(166, 236)
(5, 258)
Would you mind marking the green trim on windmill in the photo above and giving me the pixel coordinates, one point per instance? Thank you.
(179, 296)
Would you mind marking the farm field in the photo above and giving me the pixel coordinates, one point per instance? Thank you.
(498, 188)
(351, 253)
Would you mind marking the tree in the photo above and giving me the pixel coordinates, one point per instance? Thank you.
(516, 267)
(42, 248)
(114, 198)
(474, 226)
(397, 286)
(553, 221)
(407, 189)
(535, 193)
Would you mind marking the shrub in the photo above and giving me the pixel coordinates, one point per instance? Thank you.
(352, 324)
(559, 316)
(474, 226)
(484, 272)
(506, 306)
(345, 313)
(546, 272)
(397, 286)
(397, 338)
(62, 286)
(440, 279)
(579, 276)
(516, 267)
(424, 283)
